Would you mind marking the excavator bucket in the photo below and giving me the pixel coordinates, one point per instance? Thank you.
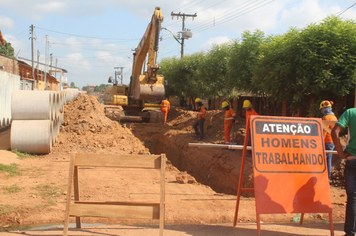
(151, 92)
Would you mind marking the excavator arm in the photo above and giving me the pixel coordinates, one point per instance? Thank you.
(148, 85)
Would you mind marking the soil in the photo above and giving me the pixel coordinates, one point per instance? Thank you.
(201, 183)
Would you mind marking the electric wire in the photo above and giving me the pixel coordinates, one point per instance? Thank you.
(83, 36)
(232, 15)
(342, 12)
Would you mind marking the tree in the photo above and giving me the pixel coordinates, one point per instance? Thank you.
(7, 50)
(182, 76)
(101, 88)
(244, 57)
(214, 72)
(329, 58)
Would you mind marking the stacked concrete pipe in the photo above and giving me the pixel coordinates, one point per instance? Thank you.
(36, 120)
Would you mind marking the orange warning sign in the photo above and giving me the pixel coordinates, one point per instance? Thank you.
(292, 145)
(290, 173)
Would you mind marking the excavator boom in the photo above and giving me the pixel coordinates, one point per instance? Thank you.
(149, 85)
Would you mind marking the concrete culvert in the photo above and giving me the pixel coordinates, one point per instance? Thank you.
(31, 136)
(31, 105)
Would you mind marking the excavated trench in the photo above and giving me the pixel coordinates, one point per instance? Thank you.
(216, 168)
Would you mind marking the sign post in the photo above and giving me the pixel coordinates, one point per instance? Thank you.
(289, 166)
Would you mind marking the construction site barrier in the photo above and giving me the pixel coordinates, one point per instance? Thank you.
(124, 210)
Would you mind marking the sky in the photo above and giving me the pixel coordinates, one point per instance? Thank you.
(89, 38)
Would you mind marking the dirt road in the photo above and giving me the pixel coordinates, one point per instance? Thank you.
(36, 193)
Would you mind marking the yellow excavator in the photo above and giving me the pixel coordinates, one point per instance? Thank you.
(143, 95)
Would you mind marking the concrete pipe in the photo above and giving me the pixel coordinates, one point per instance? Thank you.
(31, 105)
(62, 99)
(31, 136)
(55, 130)
(56, 125)
(71, 94)
(56, 105)
(61, 118)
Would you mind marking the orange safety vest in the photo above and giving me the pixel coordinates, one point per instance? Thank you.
(326, 135)
(229, 116)
(249, 113)
(201, 114)
(165, 106)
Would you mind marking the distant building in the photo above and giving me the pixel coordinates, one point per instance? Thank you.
(91, 88)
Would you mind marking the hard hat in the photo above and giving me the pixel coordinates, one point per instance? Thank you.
(326, 103)
(224, 104)
(197, 100)
(246, 104)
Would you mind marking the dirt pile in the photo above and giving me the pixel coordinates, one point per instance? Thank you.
(86, 128)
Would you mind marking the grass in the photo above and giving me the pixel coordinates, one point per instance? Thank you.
(48, 191)
(5, 209)
(23, 155)
(11, 189)
(12, 169)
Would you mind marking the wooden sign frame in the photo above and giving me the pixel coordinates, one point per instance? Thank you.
(126, 210)
(240, 187)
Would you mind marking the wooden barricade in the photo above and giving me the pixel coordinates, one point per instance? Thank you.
(125, 210)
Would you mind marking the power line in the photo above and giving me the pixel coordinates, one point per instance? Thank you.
(83, 36)
(342, 12)
(231, 16)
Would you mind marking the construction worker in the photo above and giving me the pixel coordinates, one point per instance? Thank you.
(347, 119)
(326, 110)
(230, 118)
(165, 107)
(201, 119)
(249, 112)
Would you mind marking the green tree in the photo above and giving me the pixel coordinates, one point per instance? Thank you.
(214, 72)
(244, 58)
(328, 64)
(72, 85)
(101, 88)
(182, 76)
(7, 50)
(275, 72)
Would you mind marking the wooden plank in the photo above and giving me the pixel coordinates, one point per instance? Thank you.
(78, 222)
(69, 193)
(115, 211)
(120, 203)
(124, 161)
(162, 195)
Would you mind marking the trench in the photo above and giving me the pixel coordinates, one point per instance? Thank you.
(217, 168)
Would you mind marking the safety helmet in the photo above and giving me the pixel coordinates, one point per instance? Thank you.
(224, 104)
(326, 103)
(246, 104)
(197, 100)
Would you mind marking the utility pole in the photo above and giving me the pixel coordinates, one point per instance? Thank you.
(121, 73)
(33, 58)
(184, 31)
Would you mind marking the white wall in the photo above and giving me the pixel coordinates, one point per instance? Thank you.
(8, 84)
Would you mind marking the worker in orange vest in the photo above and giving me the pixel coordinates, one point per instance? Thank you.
(201, 119)
(249, 112)
(230, 118)
(165, 107)
(326, 110)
